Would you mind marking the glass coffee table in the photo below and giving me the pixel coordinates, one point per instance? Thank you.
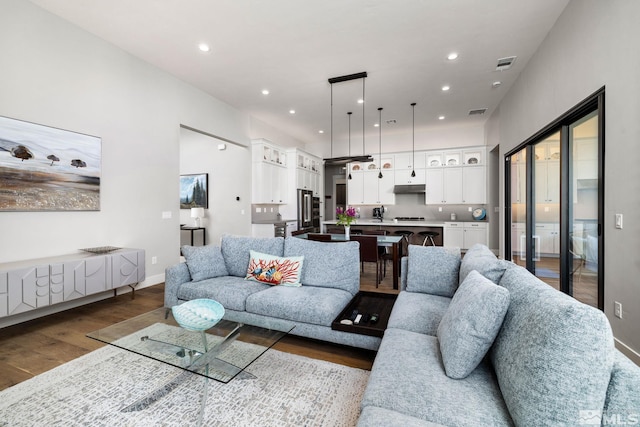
(220, 353)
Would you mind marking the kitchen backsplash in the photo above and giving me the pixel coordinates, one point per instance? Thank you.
(412, 205)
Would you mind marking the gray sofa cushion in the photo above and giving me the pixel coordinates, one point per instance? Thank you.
(329, 265)
(433, 270)
(372, 416)
(408, 377)
(471, 323)
(230, 291)
(418, 312)
(308, 304)
(553, 355)
(204, 262)
(484, 261)
(235, 250)
(623, 395)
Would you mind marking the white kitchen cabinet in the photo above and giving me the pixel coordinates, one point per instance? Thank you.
(434, 159)
(465, 234)
(453, 234)
(474, 185)
(473, 156)
(269, 183)
(518, 182)
(403, 176)
(547, 181)
(474, 233)
(443, 186)
(452, 158)
(365, 188)
(518, 234)
(405, 161)
(434, 192)
(548, 238)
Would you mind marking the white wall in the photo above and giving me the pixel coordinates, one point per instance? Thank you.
(229, 178)
(58, 75)
(593, 44)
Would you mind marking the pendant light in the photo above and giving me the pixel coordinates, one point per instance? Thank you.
(380, 143)
(413, 148)
(349, 114)
(347, 159)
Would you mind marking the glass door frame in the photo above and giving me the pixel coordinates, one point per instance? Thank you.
(594, 102)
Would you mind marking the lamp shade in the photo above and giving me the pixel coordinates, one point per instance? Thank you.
(197, 212)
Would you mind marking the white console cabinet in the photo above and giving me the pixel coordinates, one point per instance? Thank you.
(33, 284)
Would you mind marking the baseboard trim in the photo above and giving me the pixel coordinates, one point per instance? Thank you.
(627, 351)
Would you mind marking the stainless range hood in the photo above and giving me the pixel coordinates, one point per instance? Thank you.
(409, 189)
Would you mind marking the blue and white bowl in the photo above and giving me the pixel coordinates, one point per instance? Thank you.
(198, 314)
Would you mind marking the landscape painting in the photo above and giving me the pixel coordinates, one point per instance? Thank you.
(47, 169)
(193, 191)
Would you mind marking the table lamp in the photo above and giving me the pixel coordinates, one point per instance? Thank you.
(197, 213)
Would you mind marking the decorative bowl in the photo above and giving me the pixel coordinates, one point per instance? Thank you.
(198, 314)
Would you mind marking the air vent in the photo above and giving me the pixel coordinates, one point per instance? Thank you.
(392, 122)
(477, 112)
(505, 63)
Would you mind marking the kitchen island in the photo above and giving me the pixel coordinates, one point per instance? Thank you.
(367, 224)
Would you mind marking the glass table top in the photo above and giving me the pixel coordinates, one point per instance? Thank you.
(220, 353)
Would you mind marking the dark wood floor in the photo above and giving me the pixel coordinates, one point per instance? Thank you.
(36, 346)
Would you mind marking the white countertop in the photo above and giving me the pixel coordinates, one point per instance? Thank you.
(391, 223)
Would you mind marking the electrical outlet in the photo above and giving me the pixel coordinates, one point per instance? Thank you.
(166, 215)
(439, 208)
(470, 209)
(617, 309)
(154, 260)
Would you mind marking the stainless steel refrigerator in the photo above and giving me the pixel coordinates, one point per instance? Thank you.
(306, 211)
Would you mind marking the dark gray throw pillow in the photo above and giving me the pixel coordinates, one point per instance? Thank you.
(204, 262)
(471, 323)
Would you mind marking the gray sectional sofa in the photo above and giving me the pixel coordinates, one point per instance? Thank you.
(330, 278)
(473, 341)
(543, 358)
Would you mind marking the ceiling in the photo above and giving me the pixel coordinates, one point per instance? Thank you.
(291, 48)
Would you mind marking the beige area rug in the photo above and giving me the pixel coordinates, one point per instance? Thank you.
(288, 390)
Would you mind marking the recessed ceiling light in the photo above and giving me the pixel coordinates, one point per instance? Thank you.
(360, 101)
(445, 88)
(496, 84)
(440, 117)
(292, 111)
(320, 131)
(452, 56)
(265, 91)
(204, 47)
(376, 125)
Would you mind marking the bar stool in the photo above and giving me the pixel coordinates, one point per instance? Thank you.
(428, 237)
(406, 237)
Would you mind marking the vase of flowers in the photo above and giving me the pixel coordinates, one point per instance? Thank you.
(345, 218)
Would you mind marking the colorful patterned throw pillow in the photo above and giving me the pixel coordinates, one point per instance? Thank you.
(275, 270)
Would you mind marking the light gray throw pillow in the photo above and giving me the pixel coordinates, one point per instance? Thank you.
(481, 258)
(471, 323)
(204, 262)
(433, 270)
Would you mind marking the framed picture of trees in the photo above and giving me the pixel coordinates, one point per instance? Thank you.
(194, 191)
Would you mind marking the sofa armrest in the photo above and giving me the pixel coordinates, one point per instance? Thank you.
(623, 399)
(404, 262)
(175, 276)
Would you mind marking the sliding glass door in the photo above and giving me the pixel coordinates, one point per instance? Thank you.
(555, 203)
(583, 209)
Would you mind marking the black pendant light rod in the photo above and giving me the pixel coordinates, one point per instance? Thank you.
(380, 142)
(413, 148)
(348, 77)
(363, 80)
(331, 130)
(349, 115)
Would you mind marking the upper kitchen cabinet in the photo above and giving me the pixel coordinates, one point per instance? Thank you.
(366, 188)
(307, 175)
(409, 161)
(269, 183)
(456, 176)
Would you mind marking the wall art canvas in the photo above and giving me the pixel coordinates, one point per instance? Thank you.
(48, 169)
(194, 191)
